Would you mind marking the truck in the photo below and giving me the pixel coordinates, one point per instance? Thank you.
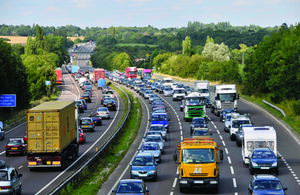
(223, 97)
(258, 137)
(52, 134)
(99, 73)
(194, 106)
(146, 74)
(202, 88)
(198, 163)
(58, 73)
(131, 72)
(167, 82)
(139, 73)
(235, 122)
(75, 69)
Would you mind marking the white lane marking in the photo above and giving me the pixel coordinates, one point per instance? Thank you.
(20, 167)
(221, 137)
(223, 143)
(174, 183)
(235, 193)
(218, 131)
(181, 138)
(2, 152)
(234, 182)
(231, 170)
(226, 151)
(180, 132)
(92, 147)
(179, 123)
(180, 127)
(229, 159)
(215, 126)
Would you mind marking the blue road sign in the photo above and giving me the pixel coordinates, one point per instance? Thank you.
(8, 100)
(47, 82)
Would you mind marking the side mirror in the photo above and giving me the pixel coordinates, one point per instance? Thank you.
(229, 126)
(130, 164)
(250, 190)
(156, 164)
(279, 157)
(175, 157)
(149, 120)
(284, 189)
(20, 175)
(113, 191)
(247, 157)
(168, 118)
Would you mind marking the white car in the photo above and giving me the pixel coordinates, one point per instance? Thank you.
(178, 94)
(168, 91)
(103, 112)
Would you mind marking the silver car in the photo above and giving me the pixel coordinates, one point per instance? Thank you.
(103, 112)
(151, 97)
(156, 138)
(168, 91)
(10, 180)
(152, 147)
(227, 122)
(161, 128)
(148, 93)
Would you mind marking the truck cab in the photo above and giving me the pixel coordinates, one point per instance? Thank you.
(198, 163)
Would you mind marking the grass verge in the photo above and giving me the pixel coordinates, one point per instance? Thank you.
(96, 175)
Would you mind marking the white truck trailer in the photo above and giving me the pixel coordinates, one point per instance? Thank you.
(223, 97)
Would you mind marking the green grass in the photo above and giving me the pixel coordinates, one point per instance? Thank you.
(98, 173)
(135, 44)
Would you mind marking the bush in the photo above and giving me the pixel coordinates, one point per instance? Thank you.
(296, 107)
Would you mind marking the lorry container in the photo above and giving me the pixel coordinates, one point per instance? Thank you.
(258, 137)
(139, 73)
(131, 72)
(52, 134)
(75, 69)
(99, 73)
(146, 74)
(202, 87)
(223, 97)
(198, 163)
(58, 73)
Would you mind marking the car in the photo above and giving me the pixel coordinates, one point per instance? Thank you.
(107, 96)
(84, 104)
(97, 119)
(201, 133)
(143, 166)
(224, 112)
(155, 138)
(178, 94)
(79, 105)
(82, 136)
(87, 124)
(110, 92)
(2, 133)
(87, 97)
(266, 184)
(239, 134)
(197, 122)
(160, 118)
(138, 81)
(132, 187)
(168, 91)
(142, 90)
(89, 91)
(187, 89)
(227, 122)
(147, 93)
(181, 105)
(151, 100)
(105, 88)
(103, 112)
(87, 85)
(263, 160)
(15, 146)
(153, 133)
(10, 179)
(160, 128)
(25, 137)
(110, 104)
(153, 148)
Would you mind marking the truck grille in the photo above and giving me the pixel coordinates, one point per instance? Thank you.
(198, 174)
(195, 112)
(227, 105)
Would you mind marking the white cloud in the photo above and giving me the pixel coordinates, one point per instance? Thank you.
(80, 4)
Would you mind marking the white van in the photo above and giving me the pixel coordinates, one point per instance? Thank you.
(258, 137)
(168, 82)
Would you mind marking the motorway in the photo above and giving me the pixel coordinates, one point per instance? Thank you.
(234, 175)
(43, 181)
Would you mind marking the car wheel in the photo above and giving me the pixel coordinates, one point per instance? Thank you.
(6, 154)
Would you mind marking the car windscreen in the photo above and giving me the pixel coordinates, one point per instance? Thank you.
(237, 123)
(142, 161)
(198, 121)
(198, 156)
(153, 139)
(102, 109)
(150, 147)
(157, 128)
(159, 118)
(14, 142)
(201, 132)
(266, 185)
(263, 155)
(86, 121)
(179, 91)
(3, 176)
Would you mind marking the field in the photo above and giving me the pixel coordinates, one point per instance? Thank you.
(22, 40)
(134, 44)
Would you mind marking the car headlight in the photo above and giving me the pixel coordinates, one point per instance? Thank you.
(213, 182)
(183, 181)
(254, 164)
(274, 164)
(134, 172)
(166, 125)
(156, 155)
(163, 134)
(152, 171)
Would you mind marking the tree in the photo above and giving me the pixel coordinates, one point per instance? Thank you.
(112, 31)
(29, 47)
(216, 52)
(38, 40)
(186, 44)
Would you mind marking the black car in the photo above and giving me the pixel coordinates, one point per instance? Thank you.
(86, 97)
(79, 105)
(110, 104)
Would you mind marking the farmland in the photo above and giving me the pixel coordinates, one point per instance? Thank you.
(22, 40)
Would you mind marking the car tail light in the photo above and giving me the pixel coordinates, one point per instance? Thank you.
(102, 99)
(91, 123)
(97, 119)
(107, 113)
(5, 187)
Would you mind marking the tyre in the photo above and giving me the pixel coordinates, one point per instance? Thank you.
(6, 154)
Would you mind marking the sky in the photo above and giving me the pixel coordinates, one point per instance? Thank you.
(141, 13)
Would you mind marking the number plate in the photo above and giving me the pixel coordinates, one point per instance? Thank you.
(264, 167)
(143, 175)
(198, 181)
(14, 148)
(85, 126)
(48, 162)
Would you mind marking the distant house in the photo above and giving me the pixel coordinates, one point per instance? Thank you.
(138, 59)
(145, 33)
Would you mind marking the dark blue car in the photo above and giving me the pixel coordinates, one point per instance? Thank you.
(224, 112)
(160, 118)
(143, 166)
(197, 122)
(266, 184)
(263, 160)
(131, 187)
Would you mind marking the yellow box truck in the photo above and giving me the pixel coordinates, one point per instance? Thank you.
(52, 134)
(198, 163)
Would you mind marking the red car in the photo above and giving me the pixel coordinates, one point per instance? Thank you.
(25, 137)
(16, 146)
(82, 136)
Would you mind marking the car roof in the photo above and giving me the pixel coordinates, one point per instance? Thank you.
(144, 154)
(159, 113)
(156, 125)
(265, 176)
(131, 180)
